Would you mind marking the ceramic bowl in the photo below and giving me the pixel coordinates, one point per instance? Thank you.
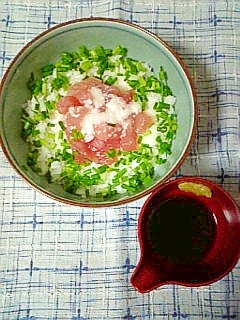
(46, 48)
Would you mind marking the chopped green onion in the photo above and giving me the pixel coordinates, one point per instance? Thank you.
(47, 70)
(118, 50)
(76, 134)
(35, 86)
(112, 153)
(60, 82)
(62, 125)
(83, 52)
(86, 65)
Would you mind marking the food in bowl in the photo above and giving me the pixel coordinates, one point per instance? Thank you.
(99, 122)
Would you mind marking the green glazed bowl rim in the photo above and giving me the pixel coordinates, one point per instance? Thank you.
(179, 162)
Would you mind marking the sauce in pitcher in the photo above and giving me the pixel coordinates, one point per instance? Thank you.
(179, 230)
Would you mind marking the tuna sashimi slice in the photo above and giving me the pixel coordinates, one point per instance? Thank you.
(143, 121)
(66, 102)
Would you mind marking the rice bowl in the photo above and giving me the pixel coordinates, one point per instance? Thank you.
(114, 183)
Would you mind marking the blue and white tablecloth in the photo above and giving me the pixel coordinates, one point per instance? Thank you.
(63, 262)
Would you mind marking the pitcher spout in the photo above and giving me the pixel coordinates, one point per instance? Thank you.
(147, 277)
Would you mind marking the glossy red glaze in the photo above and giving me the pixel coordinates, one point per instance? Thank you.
(153, 271)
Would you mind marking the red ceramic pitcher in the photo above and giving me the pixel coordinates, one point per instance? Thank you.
(189, 234)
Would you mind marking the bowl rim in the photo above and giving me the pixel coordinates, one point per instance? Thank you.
(183, 156)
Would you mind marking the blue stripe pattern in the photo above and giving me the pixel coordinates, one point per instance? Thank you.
(61, 262)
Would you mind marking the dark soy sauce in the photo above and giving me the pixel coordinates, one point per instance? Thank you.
(180, 230)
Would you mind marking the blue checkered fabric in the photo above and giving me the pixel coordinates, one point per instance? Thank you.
(64, 262)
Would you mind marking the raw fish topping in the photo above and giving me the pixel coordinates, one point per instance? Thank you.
(105, 118)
